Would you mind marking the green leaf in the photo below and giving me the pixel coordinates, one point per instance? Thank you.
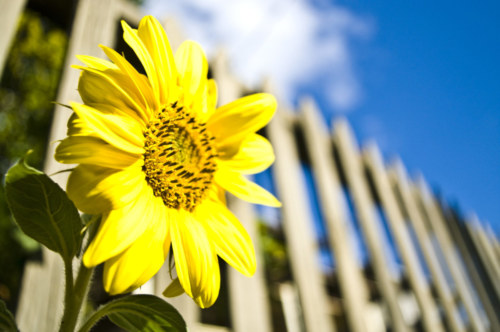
(7, 322)
(140, 313)
(43, 210)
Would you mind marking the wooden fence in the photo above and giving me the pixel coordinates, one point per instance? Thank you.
(439, 273)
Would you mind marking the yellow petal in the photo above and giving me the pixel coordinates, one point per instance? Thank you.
(241, 187)
(156, 42)
(232, 242)
(96, 63)
(138, 263)
(206, 100)
(120, 228)
(217, 194)
(255, 155)
(95, 189)
(211, 288)
(174, 289)
(193, 68)
(77, 127)
(231, 123)
(132, 38)
(211, 98)
(92, 150)
(125, 112)
(110, 88)
(121, 132)
(140, 82)
(195, 259)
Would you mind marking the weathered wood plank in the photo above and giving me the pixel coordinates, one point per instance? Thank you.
(486, 250)
(355, 294)
(352, 166)
(297, 225)
(250, 309)
(477, 268)
(399, 181)
(449, 250)
(414, 270)
(11, 13)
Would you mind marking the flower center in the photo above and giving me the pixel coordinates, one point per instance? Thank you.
(179, 158)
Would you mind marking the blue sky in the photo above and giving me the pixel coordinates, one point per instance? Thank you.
(420, 78)
(431, 83)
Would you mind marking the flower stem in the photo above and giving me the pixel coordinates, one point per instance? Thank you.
(68, 294)
(74, 295)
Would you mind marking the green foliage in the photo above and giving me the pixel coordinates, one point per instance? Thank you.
(27, 89)
(277, 269)
(43, 210)
(275, 253)
(7, 322)
(15, 247)
(140, 313)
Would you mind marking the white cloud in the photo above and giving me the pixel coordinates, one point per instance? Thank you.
(292, 42)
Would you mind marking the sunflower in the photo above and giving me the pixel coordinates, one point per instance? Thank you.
(155, 157)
